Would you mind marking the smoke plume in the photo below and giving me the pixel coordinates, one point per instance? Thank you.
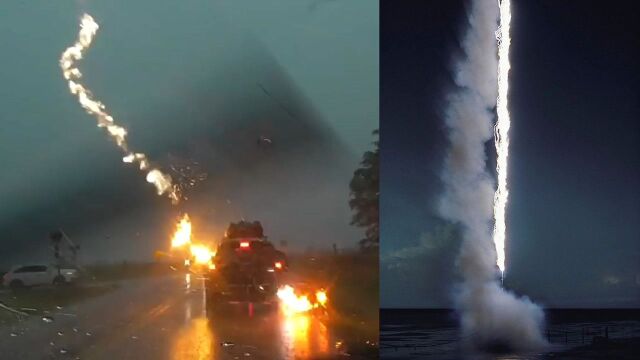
(490, 316)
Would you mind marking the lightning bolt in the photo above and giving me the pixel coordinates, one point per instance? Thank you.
(502, 133)
(88, 29)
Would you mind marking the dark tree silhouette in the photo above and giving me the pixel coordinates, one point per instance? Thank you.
(364, 199)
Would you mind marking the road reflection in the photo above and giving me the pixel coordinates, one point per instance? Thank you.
(270, 335)
(304, 336)
(195, 341)
(248, 331)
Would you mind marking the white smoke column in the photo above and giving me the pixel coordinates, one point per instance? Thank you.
(502, 134)
(88, 29)
(489, 314)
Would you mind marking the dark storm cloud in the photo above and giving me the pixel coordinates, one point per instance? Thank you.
(424, 268)
(575, 200)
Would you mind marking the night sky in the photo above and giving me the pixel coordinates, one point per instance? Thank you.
(574, 210)
(197, 81)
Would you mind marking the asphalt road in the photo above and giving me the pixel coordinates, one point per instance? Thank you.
(163, 318)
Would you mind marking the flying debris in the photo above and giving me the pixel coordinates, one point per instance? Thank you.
(88, 29)
(278, 102)
(12, 310)
(293, 302)
(186, 174)
(263, 140)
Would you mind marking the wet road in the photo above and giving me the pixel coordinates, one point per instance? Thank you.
(162, 318)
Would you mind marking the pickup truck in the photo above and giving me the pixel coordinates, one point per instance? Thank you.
(246, 267)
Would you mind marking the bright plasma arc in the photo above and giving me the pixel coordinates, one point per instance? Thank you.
(501, 131)
(88, 28)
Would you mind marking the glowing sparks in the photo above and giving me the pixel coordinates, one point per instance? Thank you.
(502, 133)
(293, 303)
(321, 297)
(88, 29)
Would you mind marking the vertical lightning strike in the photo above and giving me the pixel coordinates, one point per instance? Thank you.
(502, 133)
(88, 29)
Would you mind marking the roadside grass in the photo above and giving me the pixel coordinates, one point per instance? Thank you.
(351, 279)
(125, 271)
(98, 279)
(353, 288)
(50, 299)
(355, 298)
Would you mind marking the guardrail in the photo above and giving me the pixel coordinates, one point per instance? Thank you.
(589, 333)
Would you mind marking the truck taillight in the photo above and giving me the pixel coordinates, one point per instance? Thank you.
(244, 245)
(278, 265)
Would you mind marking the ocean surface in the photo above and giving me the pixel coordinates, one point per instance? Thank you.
(435, 334)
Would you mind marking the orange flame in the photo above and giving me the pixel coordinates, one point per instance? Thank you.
(201, 254)
(321, 297)
(182, 235)
(293, 303)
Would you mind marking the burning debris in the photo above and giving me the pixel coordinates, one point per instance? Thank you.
(201, 254)
(292, 303)
(182, 235)
(195, 253)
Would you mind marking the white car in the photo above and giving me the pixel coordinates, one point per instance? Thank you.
(35, 275)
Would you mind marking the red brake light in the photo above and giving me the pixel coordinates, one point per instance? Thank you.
(244, 244)
(278, 265)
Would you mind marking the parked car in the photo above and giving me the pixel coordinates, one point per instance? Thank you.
(35, 275)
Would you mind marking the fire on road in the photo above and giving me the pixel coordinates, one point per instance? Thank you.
(160, 318)
(246, 330)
